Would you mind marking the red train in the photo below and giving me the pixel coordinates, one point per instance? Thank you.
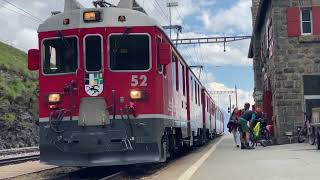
(114, 90)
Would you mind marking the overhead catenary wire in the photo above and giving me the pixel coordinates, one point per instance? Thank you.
(22, 14)
(193, 57)
(163, 11)
(23, 10)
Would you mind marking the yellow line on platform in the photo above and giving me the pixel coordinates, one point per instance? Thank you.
(189, 173)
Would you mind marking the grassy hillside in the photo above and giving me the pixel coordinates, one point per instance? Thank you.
(17, 84)
(18, 101)
(13, 59)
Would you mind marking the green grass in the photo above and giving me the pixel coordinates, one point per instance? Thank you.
(9, 117)
(17, 80)
(14, 60)
(13, 88)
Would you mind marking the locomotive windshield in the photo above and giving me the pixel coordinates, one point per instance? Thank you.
(129, 52)
(60, 55)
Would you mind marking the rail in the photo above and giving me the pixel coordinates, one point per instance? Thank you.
(16, 160)
(19, 155)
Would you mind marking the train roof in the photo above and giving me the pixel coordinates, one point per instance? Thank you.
(110, 17)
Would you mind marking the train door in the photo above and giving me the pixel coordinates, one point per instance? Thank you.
(203, 103)
(189, 91)
(91, 77)
(182, 94)
(180, 97)
(173, 99)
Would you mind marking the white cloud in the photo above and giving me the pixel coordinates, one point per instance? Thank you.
(223, 100)
(235, 20)
(27, 38)
(213, 54)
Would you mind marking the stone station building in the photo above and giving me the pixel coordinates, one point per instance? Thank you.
(285, 48)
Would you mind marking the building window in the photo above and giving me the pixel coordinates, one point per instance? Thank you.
(306, 21)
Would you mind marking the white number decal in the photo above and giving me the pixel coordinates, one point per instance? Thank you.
(135, 80)
(144, 80)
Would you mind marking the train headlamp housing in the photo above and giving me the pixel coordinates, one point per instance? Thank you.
(54, 98)
(92, 16)
(136, 95)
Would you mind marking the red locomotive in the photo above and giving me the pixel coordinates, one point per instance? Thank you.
(114, 90)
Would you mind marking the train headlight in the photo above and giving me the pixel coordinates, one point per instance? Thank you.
(92, 16)
(54, 98)
(135, 95)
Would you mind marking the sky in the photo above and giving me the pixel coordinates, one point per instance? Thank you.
(199, 18)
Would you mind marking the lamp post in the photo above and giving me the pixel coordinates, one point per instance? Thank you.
(170, 5)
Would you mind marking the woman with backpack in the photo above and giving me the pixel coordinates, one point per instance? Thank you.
(233, 126)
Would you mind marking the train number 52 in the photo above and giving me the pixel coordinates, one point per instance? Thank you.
(139, 80)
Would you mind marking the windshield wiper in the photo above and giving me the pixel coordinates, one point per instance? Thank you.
(126, 31)
(65, 42)
(121, 40)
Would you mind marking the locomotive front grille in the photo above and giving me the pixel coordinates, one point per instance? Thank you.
(93, 112)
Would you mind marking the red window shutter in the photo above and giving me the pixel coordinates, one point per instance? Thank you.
(293, 17)
(316, 20)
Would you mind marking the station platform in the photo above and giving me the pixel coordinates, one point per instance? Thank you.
(284, 162)
(221, 160)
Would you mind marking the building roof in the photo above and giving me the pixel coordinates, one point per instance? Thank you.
(261, 13)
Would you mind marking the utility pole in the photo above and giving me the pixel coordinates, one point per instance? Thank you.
(200, 67)
(230, 105)
(226, 92)
(170, 5)
(236, 92)
(176, 27)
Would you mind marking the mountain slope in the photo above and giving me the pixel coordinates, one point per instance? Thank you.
(17, 99)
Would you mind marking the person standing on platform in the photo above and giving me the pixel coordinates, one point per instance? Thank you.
(246, 120)
(246, 108)
(233, 126)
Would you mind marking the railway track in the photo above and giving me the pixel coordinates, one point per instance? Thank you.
(18, 151)
(16, 160)
(19, 155)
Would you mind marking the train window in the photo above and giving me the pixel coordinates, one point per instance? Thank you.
(173, 69)
(196, 91)
(160, 68)
(177, 75)
(129, 52)
(93, 53)
(199, 95)
(191, 88)
(60, 55)
(181, 79)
